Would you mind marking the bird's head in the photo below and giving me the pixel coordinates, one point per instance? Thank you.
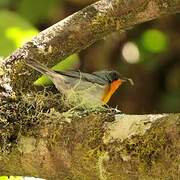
(112, 76)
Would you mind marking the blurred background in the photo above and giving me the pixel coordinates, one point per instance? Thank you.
(148, 53)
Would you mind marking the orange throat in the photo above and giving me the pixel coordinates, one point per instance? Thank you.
(110, 90)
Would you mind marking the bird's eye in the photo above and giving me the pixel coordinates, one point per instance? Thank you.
(116, 77)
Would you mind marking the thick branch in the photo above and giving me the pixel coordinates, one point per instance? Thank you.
(36, 141)
(96, 147)
(80, 30)
(85, 27)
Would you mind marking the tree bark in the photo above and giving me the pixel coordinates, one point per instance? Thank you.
(40, 137)
(90, 24)
(83, 28)
(96, 146)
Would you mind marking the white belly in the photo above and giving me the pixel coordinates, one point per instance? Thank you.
(86, 95)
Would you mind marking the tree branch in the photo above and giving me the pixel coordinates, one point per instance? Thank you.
(90, 24)
(79, 31)
(96, 147)
(39, 138)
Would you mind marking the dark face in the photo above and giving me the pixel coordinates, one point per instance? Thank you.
(113, 76)
(105, 76)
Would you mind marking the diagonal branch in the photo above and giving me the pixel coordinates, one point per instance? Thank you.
(82, 29)
(90, 24)
(36, 139)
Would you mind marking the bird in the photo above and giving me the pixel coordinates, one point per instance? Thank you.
(94, 88)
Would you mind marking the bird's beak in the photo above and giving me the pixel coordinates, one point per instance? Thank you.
(128, 80)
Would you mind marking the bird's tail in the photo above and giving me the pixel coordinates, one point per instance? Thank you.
(40, 67)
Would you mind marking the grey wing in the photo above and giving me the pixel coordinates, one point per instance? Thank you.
(40, 67)
(57, 79)
(67, 79)
(76, 75)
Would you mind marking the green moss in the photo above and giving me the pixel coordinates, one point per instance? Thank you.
(79, 146)
(25, 113)
(151, 155)
(76, 138)
(85, 145)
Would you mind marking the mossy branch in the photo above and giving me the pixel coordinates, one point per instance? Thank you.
(90, 24)
(38, 139)
(82, 29)
(94, 146)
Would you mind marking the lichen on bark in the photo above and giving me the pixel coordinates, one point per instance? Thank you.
(65, 143)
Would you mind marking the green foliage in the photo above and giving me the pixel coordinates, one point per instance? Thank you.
(3, 178)
(14, 32)
(41, 9)
(154, 41)
(68, 63)
(4, 3)
(170, 102)
(11, 178)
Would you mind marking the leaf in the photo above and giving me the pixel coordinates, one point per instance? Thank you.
(41, 9)
(3, 177)
(11, 178)
(14, 32)
(154, 41)
(69, 63)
